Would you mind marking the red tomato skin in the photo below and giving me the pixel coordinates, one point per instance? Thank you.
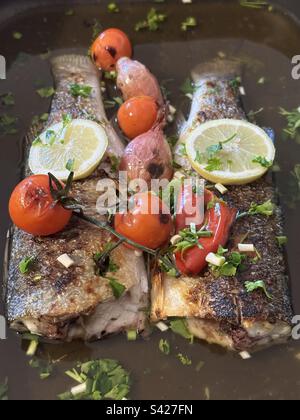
(219, 221)
(139, 225)
(137, 116)
(109, 47)
(32, 209)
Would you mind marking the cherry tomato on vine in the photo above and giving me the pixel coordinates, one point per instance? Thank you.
(148, 222)
(32, 208)
(137, 116)
(110, 45)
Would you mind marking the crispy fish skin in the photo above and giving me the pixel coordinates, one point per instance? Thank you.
(220, 310)
(60, 304)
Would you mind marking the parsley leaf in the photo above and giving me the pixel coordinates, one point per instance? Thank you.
(117, 288)
(251, 286)
(8, 125)
(263, 161)
(99, 380)
(46, 92)
(188, 87)
(7, 99)
(77, 90)
(152, 21)
(113, 8)
(45, 368)
(189, 22)
(26, 264)
(293, 123)
(179, 326)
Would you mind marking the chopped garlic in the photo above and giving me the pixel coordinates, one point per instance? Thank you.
(216, 260)
(221, 188)
(175, 239)
(170, 118)
(65, 260)
(172, 109)
(138, 253)
(245, 355)
(246, 247)
(162, 326)
(242, 91)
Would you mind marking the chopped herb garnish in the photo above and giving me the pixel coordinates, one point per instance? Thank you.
(131, 335)
(103, 261)
(236, 83)
(261, 81)
(190, 239)
(185, 360)
(115, 162)
(293, 123)
(164, 346)
(251, 286)
(189, 22)
(110, 75)
(45, 368)
(265, 209)
(46, 92)
(261, 160)
(4, 391)
(98, 380)
(77, 90)
(213, 164)
(40, 118)
(8, 124)
(179, 326)
(117, 288)
(152, 22)
(113, 8)
(97, 28)
(255, 4)
(26, 264)
(7, 99)
(17, 35)
(233, 263)
(282, 240)
(188, 87)
(70, 165)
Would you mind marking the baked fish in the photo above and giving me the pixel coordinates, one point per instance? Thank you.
(220, 310)
(75, 303)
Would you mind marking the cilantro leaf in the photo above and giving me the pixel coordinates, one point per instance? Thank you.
(46, 92)
(263, 161)
(251, 286)
(26, 264)
(179, 326)
(117, 288)
(77, 90)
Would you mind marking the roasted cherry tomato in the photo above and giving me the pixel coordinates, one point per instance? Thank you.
(110, 45)
(218, 220)
(32, 208)
(137, 116)
(148, 221)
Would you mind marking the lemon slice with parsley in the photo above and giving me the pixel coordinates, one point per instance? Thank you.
(78, 145)
(230, 152)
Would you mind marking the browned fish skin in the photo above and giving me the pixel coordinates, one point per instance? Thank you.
(220, 310)
(58, 306)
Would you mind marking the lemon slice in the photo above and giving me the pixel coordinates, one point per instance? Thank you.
(81, 142)
(230, 152)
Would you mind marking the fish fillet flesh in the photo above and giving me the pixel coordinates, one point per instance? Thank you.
(74, 303)
(219, 310)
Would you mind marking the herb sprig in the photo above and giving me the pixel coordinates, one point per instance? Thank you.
(251, 286)
(152, 21)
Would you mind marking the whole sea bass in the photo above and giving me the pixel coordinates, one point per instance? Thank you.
(75, 303)
(220, 310)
